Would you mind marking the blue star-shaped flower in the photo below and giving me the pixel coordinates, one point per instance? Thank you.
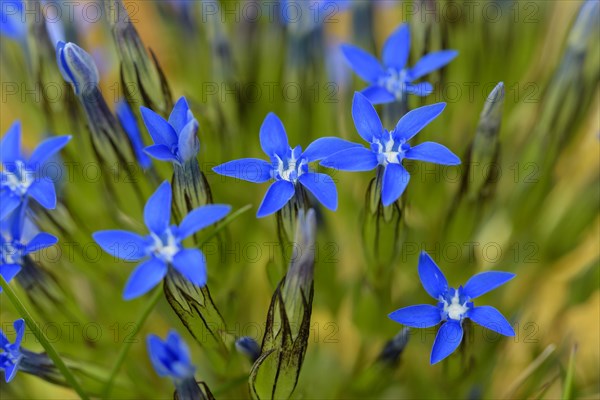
(288, 166)
(163, 246)
(11, 352)
(175, 140)
(22, 178)
(389, 148)
(393, 80)
(171, 357)
(454, 305)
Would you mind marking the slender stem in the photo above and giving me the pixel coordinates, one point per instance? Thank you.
(127, 345)
(39, 334)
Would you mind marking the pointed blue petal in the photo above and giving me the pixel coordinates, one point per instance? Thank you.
(179, 116)
(395, 180)
(366, 119)
(40, 241)
(278, 194)
(446, 341)
(432, 152)
(378, 95)
(273, 138)
(397, 48)
(19, 326)
(249, 169)
(413, 121)
(326, 146)
(157, 212)
(485, 281)
(322, 187)
(146, 276)
(9, 202)
(492, 319)
(42, 190)
(160, 152)
(364, 64)
(433, 280)
(125, 245)
(159, 129)
(47, 149)
(9, 271)
(10, 146)
(130, 125)
(420, 89)
(431, 62)
(420, 316)
(202, 217)
(157, 353)
(188, 143)
(192, 265)
(10, 372)
(354, 159)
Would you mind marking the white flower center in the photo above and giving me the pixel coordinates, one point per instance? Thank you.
(10, 253)
(291, 170)
(389, 152)
(165, 248)
(20, 180)
(455, 310)
(395, 82)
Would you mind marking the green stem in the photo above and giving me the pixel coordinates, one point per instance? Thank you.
(39, 334)
(127, 345)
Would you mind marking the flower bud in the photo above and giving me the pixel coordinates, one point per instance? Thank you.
(248, 347)
(77, 67)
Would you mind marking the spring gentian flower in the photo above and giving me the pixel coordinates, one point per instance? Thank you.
(171, 357)
(175, 140)
(390, 148)
(454, 305)
(162, 247)
(22, 178)
(392, 81)
(288, 166)
(130, 126)
(11, 352)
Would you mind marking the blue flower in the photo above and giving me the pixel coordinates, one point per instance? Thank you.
(393, 80)
(130, 126)
(171, 357)
(77, 67)
(454, 305)
(163, 245)
(22, 178)
(174, 140)
(390, 148)
(11, 352)
(288, 166)
(12, 20)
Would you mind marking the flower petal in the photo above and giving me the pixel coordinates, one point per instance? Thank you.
(364, 64)
(146, 276)
(446, 341)
(431, 62)
(159, 128)
(366, 120)
(158, 353)
(420, 316)
(10, 146)
(420, 89)
(322, 187)
(415, 120)
(397, 48)
(157, 212)
(378, 95)
(395, 180)
(9, 202)
(160, 152)
(19, 326)
(179, 116)
(278, 194)
(47, 149)
(492, 319)
(354, 159)
(433, 280)
(326, 146)
(432, 152)
(273, 138)
(192, 265)
(248, 169)
(202, 217)
(188, 143)
(42, 190)
(40, 241)
(9, 271)
(124, 245)
(483, 282)
(10, 371)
